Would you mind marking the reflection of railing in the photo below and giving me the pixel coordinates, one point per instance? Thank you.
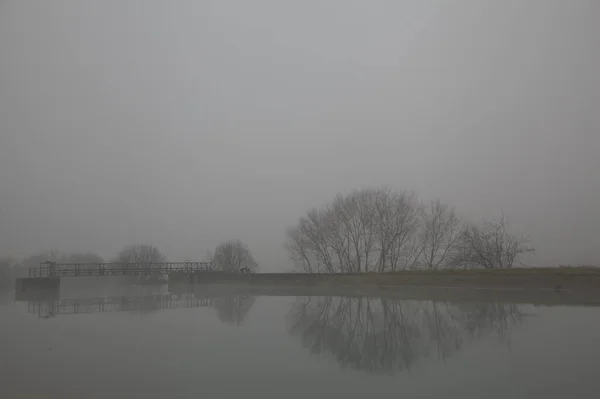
(143, 304)
(52, 269)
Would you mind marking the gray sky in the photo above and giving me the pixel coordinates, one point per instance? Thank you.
(181, 123)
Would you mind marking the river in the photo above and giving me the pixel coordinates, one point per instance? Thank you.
(149, 343)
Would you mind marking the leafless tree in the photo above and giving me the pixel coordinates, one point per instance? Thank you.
(232, 256)
(397, 221)
(83, 257)
(366, 230)
(439, 235)
(378, 230)
(300, 251)
(143, 254)
(490, 246)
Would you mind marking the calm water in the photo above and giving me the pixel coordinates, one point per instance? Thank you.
(159, 346)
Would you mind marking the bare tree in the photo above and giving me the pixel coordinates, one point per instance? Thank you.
(143, 254)
(233, 256)
(300, 251)
(378, 230)
(490, 246)
(398, 222)
(83, 257)
(439, 235)
(366, 230)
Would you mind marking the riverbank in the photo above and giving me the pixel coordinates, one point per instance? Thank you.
(543, 286)
(557, 278)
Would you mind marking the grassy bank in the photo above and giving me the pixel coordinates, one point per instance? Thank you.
(540, 286)
(546, 297)
(557, 278)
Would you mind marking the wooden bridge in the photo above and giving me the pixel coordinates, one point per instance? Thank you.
(53, 269)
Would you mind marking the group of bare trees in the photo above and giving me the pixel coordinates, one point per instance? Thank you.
(490, 246)
(377, 230)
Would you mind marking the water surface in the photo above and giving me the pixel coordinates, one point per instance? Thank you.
(154, 344)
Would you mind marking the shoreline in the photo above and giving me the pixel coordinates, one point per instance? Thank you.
(547, 286)
(563, 278)
(542, 297)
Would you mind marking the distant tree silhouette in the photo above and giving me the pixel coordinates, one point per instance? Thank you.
(233, 256)
(490, 246)
(439, 233)
(84, 257)
(141, 253)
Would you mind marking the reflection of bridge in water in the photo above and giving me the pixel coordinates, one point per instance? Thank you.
(142, 304)
(54, 269)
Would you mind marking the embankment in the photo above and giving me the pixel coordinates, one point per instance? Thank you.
(522, 278)
(548, 286)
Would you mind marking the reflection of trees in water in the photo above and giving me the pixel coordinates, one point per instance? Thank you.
(233, 309)
(480, 320)
(384, 336)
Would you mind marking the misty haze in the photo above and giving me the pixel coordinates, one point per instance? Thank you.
(294, 199)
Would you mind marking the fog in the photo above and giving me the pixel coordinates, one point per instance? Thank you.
(185, 123)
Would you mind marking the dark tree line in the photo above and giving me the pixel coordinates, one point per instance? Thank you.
(377, 230)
